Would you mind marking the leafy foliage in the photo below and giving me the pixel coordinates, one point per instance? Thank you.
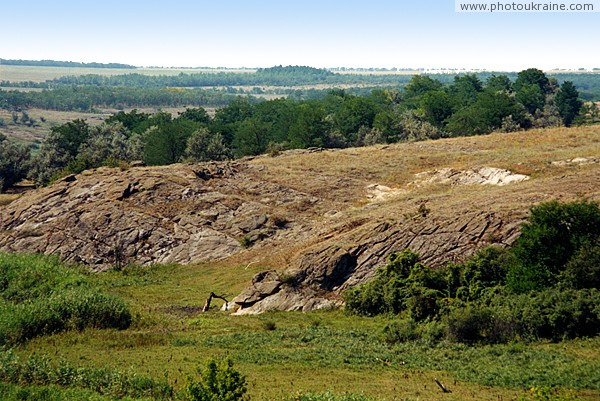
(218, 382)
(555, 234)
(568, 103)
(40, 372)
(489, 298)
(14, 161)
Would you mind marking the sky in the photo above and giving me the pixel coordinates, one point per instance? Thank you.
(322, 33)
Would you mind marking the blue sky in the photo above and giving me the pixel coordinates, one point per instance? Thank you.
(324, 33)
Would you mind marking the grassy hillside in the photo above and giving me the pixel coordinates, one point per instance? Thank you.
(284, 354)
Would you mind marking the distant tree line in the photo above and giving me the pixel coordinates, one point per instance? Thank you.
(588, 83)
(88, 98)
(70, 64)
(425, 109)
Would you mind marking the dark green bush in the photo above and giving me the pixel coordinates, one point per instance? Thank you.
(400, 331)
(555, 234)
(403, 284)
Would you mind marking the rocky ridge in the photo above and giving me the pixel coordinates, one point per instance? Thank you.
(175, 214)
(316, 221)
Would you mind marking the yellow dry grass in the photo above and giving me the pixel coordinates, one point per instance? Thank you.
(339, 179)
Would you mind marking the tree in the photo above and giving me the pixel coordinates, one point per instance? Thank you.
(555, 233)
(133, 121)
(531, 96)
(14, 161)
(309, 128)
(437, 107)
(60, 148)
(203, 146)
(421, 84)
(250, 137)
(198, 115)
(227, 118)
(464, 90)
(533, 76)
(568, 103)
(166, 144)
(353, 113)
(498, 83)
(108, 144)
(69, 136)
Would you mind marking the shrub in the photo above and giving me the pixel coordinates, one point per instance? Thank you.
(39, 296)
(218, 382)
(403, 284)
(400, 331)
(555, 234)
(14, 163)
(40, 372)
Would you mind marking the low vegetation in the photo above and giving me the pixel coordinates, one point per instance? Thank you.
(544, 287)
(41, 296)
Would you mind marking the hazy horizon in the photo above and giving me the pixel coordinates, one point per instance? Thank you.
(263, 33)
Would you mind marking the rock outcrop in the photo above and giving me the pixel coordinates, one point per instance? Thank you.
(322, 273)
(175, 214)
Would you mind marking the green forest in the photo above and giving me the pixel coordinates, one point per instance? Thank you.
(425, 108)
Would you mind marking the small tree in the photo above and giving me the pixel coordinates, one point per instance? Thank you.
(218, 382)
(556, 238)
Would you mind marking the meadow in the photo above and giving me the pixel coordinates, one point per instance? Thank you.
(282, 355)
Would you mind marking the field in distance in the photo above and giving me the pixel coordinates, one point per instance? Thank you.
(15, 73)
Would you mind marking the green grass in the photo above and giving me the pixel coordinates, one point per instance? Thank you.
(325, 355)
(13, 392)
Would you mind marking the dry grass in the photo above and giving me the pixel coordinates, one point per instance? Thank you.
(37, 132)
(15, 73)
(338, 178)
(5, 199)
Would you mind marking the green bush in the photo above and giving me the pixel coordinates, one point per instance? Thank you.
(218, 382)
(477, 324)
(39, 296)
(400, 331)
(555, 234)
(14, 162)
(403, 284)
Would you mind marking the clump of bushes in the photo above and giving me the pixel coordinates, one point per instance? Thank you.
(39, 295)
(219, 381)
(546, 286)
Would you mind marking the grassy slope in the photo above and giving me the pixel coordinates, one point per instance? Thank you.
(317, 351)
(327, 350)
